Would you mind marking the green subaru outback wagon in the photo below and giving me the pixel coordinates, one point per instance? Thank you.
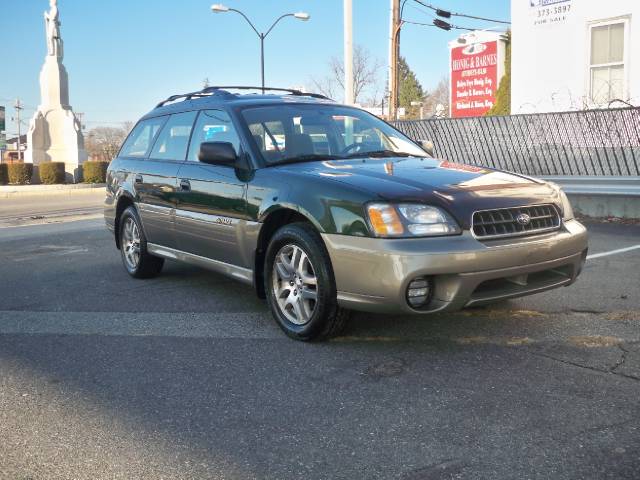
(324, 208)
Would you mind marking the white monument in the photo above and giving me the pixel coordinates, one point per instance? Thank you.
(54, 132)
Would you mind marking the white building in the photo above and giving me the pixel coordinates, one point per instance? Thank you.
(574, 54)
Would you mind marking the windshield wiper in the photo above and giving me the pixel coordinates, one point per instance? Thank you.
(380, 154)
(310, 157)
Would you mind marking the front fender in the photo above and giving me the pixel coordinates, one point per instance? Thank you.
(332, 207)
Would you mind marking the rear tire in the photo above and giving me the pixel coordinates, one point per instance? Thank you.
(133, 247)
(300, 285)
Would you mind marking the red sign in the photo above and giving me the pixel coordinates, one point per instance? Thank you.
(474, 79)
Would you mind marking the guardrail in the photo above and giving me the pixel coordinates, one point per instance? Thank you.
(589, 185)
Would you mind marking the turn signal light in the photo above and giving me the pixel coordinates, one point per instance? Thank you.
(384, 220)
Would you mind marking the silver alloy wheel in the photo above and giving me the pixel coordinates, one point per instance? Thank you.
(295, 285)
(131, 243)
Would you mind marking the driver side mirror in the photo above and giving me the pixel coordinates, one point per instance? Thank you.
(218, 153)
(427, 146)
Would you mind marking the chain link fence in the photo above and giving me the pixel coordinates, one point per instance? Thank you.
(592, 142)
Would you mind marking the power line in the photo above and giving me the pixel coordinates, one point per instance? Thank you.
(447, 14)
(437, 23)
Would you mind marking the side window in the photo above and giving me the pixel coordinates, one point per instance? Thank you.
(213, 126)
(174, 137)
(139, 141)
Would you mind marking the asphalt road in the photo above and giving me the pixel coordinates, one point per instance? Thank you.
(54, 208)
(186, 376)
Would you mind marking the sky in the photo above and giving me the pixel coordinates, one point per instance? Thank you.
(124, 56)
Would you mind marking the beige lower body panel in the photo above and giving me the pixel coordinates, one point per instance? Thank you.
(372, 274)
(239, 273)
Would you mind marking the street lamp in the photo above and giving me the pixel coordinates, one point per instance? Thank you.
(220, 8)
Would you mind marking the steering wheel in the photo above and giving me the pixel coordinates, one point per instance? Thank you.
(353, 146)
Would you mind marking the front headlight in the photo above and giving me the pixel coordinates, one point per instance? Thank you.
(567, 210)
(410, 220)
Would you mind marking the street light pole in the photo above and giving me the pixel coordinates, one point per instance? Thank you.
(219, 8)
(262, 61)
(348, 53)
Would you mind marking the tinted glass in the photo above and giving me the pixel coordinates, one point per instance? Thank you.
(213, 126)
(141, 138)
(319, 131)
(174, 137)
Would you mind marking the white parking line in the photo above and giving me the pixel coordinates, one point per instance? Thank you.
(612, 252)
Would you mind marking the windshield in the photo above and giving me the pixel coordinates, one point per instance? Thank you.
(307, 132)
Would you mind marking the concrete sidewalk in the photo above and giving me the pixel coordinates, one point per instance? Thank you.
(12, 191)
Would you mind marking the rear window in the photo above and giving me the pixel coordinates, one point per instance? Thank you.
(140, 140)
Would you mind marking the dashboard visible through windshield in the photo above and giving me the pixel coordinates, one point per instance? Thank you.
(298, 132)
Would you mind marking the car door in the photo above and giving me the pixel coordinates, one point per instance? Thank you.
(155, 180)
(211, 204)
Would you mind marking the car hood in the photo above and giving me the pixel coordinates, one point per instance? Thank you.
(461, 189)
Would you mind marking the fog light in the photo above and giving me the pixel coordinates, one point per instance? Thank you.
(419, 292)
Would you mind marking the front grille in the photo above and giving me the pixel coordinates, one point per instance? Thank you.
(503, 222)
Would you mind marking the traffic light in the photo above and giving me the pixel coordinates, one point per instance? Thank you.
(441, 24)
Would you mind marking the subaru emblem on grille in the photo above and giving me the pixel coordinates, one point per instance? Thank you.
(523, 219)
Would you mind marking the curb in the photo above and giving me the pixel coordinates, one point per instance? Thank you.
(16, 191)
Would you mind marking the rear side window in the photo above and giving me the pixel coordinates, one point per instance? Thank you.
(173, 139)
(139, 142)
(213, 126)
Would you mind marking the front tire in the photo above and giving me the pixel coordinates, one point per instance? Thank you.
(133, 247)
(300, 284)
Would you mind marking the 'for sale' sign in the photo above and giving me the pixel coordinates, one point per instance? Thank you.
(474, 78)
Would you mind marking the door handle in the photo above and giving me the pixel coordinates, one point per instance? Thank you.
(185, 185)
(137, 179)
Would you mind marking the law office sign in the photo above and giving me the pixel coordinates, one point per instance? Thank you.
(474, 78)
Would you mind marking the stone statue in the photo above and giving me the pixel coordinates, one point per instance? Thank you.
(54, 132)
(52, 25)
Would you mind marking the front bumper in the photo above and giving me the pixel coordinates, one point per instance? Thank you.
(372, 274)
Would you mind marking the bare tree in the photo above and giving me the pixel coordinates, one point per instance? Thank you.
(365, 75)
(438, 96)
(127, 126)
(103, 143)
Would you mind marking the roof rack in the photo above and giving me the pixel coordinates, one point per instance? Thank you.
(223, 92)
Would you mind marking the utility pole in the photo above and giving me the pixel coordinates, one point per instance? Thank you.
(348, 53)
(80, 118)
(394, 53)
(18, 107)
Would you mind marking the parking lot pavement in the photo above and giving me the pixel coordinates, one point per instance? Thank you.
(186, 376)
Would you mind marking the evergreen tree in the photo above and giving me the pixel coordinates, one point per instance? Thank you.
(503, 95)
(410, 89)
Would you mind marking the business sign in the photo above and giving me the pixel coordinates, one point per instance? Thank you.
(2, 122)
(474, 78)
(548, 12)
